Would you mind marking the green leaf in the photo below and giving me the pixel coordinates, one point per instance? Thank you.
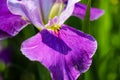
(86, 21)
(84, 1)
(27, 76)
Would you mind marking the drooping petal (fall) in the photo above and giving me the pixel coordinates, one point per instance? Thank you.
(66, 54)
(4, 35)
(10, 24)
(80, 11)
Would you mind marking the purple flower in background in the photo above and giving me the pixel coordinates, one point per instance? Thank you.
(65, 51)
(5, 55)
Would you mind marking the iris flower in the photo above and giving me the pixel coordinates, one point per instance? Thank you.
(63, 50)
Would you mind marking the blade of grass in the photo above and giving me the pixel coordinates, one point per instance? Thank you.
(86, 21)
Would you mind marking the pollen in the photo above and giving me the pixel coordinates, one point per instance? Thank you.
(55, 28)
(24, 18)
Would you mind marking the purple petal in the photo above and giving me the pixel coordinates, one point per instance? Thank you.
(45, 6)
(27, 8)
(67, 11)
(4, 35)
(66, 54)
(3, 7)
(36, 11)
(10, 24)
(80, 11)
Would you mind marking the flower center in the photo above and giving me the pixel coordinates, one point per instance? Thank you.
(55, 27)
(53, 24)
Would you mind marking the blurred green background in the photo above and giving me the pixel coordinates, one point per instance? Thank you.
(106, 61)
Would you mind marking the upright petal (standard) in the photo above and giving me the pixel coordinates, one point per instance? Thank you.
(67, 12)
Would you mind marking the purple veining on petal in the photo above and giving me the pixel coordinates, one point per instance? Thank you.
(80, 11)
(3, 8)
(62, 66)
(36, 11)
(10, 24)
(45, 6)
(28, 9)
(81, 34)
